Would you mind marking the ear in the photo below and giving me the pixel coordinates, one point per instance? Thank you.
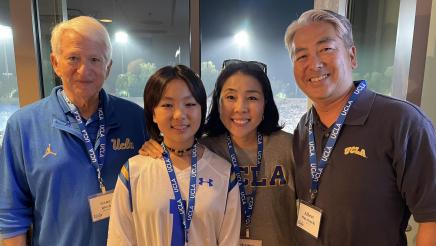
(220, 102)
(154, 117)
(55, 63)
(353, 59)
(108, 69)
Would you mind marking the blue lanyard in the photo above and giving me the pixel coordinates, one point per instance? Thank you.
(185, 215)
(247, 201)
(316, 169)
(100, 144)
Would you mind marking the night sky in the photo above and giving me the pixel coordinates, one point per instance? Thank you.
(265, 21)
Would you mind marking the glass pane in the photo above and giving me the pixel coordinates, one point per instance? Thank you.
(50, 13)
(264, 25)
(145, 35)
(428, 102)
(8, 79)
(375, 31)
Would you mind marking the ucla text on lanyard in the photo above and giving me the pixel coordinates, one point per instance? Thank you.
(100, 143)
(247, 201)
(185, 214)
(316, 169)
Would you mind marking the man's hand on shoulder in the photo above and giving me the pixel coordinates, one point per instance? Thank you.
(151, 148)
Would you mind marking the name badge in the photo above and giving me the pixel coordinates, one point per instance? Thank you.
(250, 242)
(100, 205)
(309, 218)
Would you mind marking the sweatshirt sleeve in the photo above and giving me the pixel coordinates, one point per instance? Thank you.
(15, 196)
(231, 225)
(121, 226)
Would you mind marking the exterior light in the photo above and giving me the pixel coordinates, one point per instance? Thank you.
(241, 38)
(5, 32)
(121, 37)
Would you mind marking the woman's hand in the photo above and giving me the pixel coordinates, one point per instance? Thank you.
(151, 148)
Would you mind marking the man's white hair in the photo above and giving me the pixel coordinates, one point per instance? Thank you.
(86, 26)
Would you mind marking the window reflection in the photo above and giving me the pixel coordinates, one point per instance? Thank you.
(375, 30)
(8, 79)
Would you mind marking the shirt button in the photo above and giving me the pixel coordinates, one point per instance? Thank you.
(326, 135)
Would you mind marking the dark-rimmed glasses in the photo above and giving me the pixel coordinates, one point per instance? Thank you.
(236, 61)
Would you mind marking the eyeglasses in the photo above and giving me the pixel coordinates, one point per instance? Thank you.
(228, 62)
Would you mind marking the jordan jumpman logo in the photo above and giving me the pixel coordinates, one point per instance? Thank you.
(48, 151)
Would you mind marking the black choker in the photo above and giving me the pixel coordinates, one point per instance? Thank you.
(179, 152)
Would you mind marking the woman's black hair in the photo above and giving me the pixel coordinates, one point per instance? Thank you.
(155, 87)
(269, 123)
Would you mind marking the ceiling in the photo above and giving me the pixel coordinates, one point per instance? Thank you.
(142, 18)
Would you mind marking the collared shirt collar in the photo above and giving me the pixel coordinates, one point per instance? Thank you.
(67, 110)
(104, 97)
(62, 102)
(359, 110)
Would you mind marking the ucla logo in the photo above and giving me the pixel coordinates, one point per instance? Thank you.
(275, 178)
(117, 144)
(355, 150)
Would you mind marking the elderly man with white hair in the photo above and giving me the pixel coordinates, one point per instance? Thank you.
(61, 156)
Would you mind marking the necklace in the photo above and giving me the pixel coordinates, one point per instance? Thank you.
(179, 152)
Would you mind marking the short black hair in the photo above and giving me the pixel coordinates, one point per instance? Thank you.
(155, 87)
(269, 123)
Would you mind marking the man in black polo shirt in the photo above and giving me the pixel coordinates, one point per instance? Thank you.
(364, 162)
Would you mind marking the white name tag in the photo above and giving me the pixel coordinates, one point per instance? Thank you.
(309, 218)
(250, 242)
(100, 205)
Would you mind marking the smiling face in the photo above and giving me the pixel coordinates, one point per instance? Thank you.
(81, 66)
(241, 106)
(178, 115)
(322, 64)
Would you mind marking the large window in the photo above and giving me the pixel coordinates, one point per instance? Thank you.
(145, 35)
(253, 30)
(149, 35)
(8, 78)
(375, 32)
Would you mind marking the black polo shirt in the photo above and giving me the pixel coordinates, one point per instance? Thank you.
(382, 169)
